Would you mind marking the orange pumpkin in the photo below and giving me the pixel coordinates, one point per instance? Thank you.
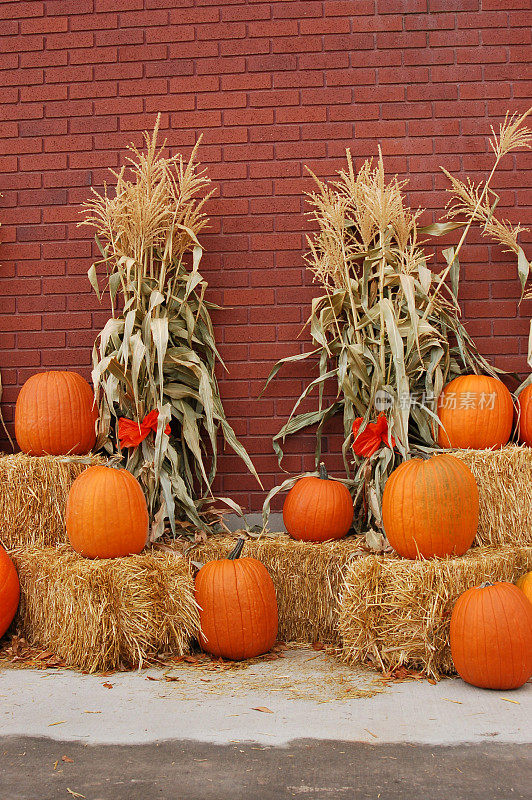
(9, 591)
(106, 514)
(318, 509)
(430, 507)
(525, 584)
(491, 636)
(55, 415)
(524, 402)
(238, 607)
(476, 411)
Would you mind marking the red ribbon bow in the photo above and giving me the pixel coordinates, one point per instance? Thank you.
(131, 433)
(372, 437)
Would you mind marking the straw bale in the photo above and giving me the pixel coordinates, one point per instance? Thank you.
(33, 494)
(504, 479)
(396, 612)
(106, 614)
(306, 575)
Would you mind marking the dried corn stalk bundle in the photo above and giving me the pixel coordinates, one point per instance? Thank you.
(386, 330)
(156, 356)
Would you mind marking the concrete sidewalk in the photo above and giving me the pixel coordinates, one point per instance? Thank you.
(310, 695)
(303, 725)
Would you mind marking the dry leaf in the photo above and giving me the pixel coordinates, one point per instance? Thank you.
(263, 709)
(108, 685)
(67, 759)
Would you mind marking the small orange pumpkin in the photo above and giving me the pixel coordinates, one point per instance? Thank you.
(55, 415)
(524, 402)
(238, 607)
(476, 411)
(106, 514)
(525, 584)
(318, 509)
(491, 636)
(9, 591)
(430, 507)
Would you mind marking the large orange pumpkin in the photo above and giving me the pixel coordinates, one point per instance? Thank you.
(430, 507)
(238, 607)
(9, 591)
(476, 411)
(525, 584)
(318, 509)
(524, 402)
(55, 415)
(491, 636)
(106, 514)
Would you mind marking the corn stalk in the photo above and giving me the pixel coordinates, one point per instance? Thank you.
(386, 330)
(158, 350)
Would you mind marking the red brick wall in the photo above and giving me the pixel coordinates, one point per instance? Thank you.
(272, 86)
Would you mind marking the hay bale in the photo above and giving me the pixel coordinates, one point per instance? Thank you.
(307, 577)
(33, 494)
(395, 612)
(504, 479)
(105, 614)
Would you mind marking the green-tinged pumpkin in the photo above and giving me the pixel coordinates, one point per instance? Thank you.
(106, 513)
(491, 636)
(9, 591)
(475, 411)
(238, 607)
(524, 402)
(430, 507)
(318, 509)
(55, 415)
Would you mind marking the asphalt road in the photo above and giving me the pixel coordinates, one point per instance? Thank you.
(177, 770)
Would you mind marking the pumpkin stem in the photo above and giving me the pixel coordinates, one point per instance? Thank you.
(485, 584)
(323, 472)
(238, 548)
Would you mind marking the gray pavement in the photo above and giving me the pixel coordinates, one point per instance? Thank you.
(303, 725)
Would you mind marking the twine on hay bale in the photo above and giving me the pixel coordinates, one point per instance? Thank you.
(504, 479)
(307, 577)
(106, 614)
(395, 612)
(33, 495)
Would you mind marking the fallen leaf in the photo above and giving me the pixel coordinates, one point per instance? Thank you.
(517, 703)
(75, 794)
(149, 678)
(108, 685)
(190, 659)
(67, 759)
(263, 709)
(432, 681)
